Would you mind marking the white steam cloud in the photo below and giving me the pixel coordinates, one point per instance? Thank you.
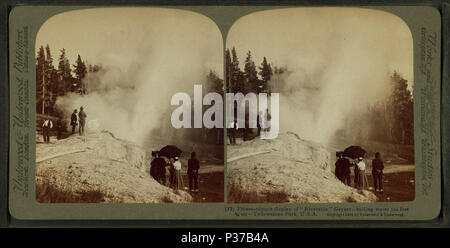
(339, 61)
(149, 55)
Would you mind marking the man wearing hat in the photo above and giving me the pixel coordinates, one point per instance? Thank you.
(377, 172)
(82, 120)
(74, 120)
(158, 168)
(46, 127)
(193, 167)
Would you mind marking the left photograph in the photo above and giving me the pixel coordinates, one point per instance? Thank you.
(105, 85)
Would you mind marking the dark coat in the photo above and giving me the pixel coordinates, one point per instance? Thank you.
(377, 166)
(193, 166)
(342, 167)
(73, 119)
(346, 167)
(158, 167)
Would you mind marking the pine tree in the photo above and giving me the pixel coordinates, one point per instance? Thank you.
(61, 72)
(228, 70)
(237, 79)
(53, 90)
(265, 73)
(251, 75)
(80, 71)
(64, 74)
(40, 69)
(51, 83)
(399, 109)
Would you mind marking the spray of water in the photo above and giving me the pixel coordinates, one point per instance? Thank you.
(316, 103)
(338, 60)
(144, 60)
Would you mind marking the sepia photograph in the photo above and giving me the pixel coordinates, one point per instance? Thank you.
(105, 85)
(328, 112)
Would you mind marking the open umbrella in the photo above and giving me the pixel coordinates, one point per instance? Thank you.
(354, 152)
(170, 151)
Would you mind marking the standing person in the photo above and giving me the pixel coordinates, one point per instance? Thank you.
(236, 131)
(161, 171)
(267, 119)
(346, 178)
(177, 180)
(193, 167)
(258, 123)
(356, 174)
(233, 128)
(158, 169)
(229, 132)
(171, 172)
(342, 169)
(377, 172)
(46, 130)
(167, 172)
(338, 166)
(59, 128)
(82, 120)
(362, 181)
(74, 120)
(153, 167)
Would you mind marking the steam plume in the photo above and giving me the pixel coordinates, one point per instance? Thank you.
(146, 58)
(339, 61)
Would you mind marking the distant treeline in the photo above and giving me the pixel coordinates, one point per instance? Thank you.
(390, 120)
(52, 82)
(247, 80)
(84, 78)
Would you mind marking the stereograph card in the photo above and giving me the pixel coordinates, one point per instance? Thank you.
(225, 113)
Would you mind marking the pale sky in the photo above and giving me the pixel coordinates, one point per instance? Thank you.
(305, 37)
(297, 37)
(149, 55)
(98, 33)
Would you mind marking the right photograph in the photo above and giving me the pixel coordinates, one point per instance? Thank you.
(320, 107)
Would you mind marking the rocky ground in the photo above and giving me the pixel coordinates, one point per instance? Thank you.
(289, 169)
(97, 168)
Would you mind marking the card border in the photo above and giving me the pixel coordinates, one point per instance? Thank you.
(415, 79)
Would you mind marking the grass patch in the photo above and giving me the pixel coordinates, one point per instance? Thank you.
(237, 195)
(46, 193)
